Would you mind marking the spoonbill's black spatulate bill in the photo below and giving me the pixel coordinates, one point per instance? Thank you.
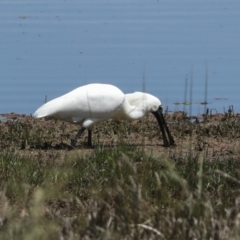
(93, 103)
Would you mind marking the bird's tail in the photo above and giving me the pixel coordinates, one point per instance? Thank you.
(46, 110)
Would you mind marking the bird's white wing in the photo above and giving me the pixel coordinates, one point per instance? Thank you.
(93, 101)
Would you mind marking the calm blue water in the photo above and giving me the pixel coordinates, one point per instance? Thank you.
(51, 47)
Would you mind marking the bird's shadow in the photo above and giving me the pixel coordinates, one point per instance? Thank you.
(69, 147)
(129, 145)
(50, 146)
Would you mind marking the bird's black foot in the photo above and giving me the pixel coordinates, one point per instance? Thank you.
(87, 145)
(73, 142)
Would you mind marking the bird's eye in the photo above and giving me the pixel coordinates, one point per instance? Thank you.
(154, 108)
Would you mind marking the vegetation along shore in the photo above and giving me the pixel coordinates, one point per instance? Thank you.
(127, 186)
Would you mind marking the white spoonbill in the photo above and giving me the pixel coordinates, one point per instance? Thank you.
(93, 103)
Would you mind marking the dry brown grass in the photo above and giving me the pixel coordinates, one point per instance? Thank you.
(128, 186)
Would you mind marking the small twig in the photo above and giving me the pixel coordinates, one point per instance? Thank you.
(227, 176)
(150, 229)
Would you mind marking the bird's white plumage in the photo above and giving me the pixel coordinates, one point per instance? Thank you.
(142, 103)
(93, 103)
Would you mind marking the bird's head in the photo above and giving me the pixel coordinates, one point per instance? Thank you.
(151, 103)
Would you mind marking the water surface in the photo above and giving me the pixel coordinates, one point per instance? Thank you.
(51, 47)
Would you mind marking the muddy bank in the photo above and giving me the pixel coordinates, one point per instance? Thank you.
(216, 135)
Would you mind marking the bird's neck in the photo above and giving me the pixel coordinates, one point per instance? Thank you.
(130, 112)
(136, 111)
(136, 114)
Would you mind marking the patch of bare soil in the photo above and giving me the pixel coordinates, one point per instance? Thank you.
(214, 135)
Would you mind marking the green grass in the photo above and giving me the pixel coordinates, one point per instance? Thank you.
(119, 193)
(119, 190)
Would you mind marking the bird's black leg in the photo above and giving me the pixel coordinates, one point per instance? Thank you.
(74, 140)
(89, 138)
